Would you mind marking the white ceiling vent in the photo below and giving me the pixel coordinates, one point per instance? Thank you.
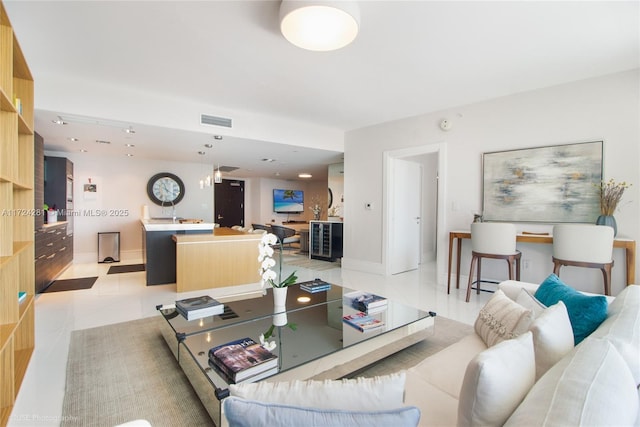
(206, 119)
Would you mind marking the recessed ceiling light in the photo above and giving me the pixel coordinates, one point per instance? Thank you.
(129, 155)
(202, 153)
(72, 139)
(129, 145)
(304, 299)
(82, 150)
(304, 175)
(129, 130)
(102, 141)
(218, 137)
(59, 121)
(269, 160)
(208, 145)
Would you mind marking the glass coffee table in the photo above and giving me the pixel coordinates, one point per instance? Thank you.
(321, 347)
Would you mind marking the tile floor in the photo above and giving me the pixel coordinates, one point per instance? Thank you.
(123, 297)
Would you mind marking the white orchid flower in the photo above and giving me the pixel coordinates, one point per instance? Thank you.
(269, 275)
(268, 263)
(269, 345)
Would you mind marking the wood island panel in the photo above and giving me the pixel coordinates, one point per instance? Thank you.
(225, 258)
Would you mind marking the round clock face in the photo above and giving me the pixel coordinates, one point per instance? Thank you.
(165, 189)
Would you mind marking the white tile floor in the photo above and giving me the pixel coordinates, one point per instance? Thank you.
(122, 297)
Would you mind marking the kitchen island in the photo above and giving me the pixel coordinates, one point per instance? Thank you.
(223, 258)
(159, 249)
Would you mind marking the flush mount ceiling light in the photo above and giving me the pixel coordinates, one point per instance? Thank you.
(319, 25)
(304, 175)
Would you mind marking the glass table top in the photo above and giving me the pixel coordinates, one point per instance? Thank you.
(318, 323)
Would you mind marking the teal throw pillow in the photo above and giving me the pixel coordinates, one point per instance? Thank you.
(586, 312)
(250, 413)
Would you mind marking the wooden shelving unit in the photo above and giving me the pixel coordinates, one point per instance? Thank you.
(16, 217)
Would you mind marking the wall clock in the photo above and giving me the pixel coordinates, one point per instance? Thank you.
(165, 188)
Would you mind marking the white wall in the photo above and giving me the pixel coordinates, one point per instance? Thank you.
(121, 192)
(605, 108)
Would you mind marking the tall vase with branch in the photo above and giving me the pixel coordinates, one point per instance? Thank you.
(279, 287)
(610, 196)
(316, 208)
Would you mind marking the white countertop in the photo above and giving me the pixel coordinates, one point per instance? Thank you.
(170, 225)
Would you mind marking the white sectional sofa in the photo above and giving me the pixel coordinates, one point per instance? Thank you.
(519, 368)
(594, 383)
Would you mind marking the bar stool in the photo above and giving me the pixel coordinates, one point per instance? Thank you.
(584, 245)
(493, 240)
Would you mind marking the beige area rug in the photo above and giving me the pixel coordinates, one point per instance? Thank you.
(442, 334)
(304, 261)
(126, 371)
(123, 372)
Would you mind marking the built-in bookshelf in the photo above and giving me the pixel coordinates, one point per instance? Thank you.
(16, 217)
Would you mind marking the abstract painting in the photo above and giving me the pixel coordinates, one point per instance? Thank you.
(544, 184)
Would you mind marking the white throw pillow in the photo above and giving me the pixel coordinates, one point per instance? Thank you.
(528, 301)
(496, 381)
(552, 337)
(592, 386)
(502, 318)
(360, 394)
(622, 328)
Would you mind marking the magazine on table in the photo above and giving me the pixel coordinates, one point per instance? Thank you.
(243, 358)
(198, 307)
(315, 286)
(363, 322)
(366, 302)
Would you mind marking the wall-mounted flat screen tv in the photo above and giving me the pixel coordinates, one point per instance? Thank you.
(288, 201)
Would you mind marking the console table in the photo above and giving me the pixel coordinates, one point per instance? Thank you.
(627, 244)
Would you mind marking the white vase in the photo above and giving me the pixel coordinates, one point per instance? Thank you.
(279, 306)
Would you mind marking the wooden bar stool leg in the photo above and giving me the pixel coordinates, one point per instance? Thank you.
(556, 268)
(479, 278)
(510, 263)
(606, 273)
(473, 264)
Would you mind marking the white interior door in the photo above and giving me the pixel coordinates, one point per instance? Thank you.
(406, 195)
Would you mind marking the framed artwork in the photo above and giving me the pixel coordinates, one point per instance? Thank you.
(551, 184)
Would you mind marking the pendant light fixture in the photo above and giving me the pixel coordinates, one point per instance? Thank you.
(204, 181)
(217, 177)
(319, 25)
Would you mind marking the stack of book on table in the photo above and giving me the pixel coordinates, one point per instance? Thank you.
(243, 360)
(363, 322)
(366, 302)
(314, 286)
(199, 307)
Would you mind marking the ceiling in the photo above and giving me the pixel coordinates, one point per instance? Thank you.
(409, 58)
